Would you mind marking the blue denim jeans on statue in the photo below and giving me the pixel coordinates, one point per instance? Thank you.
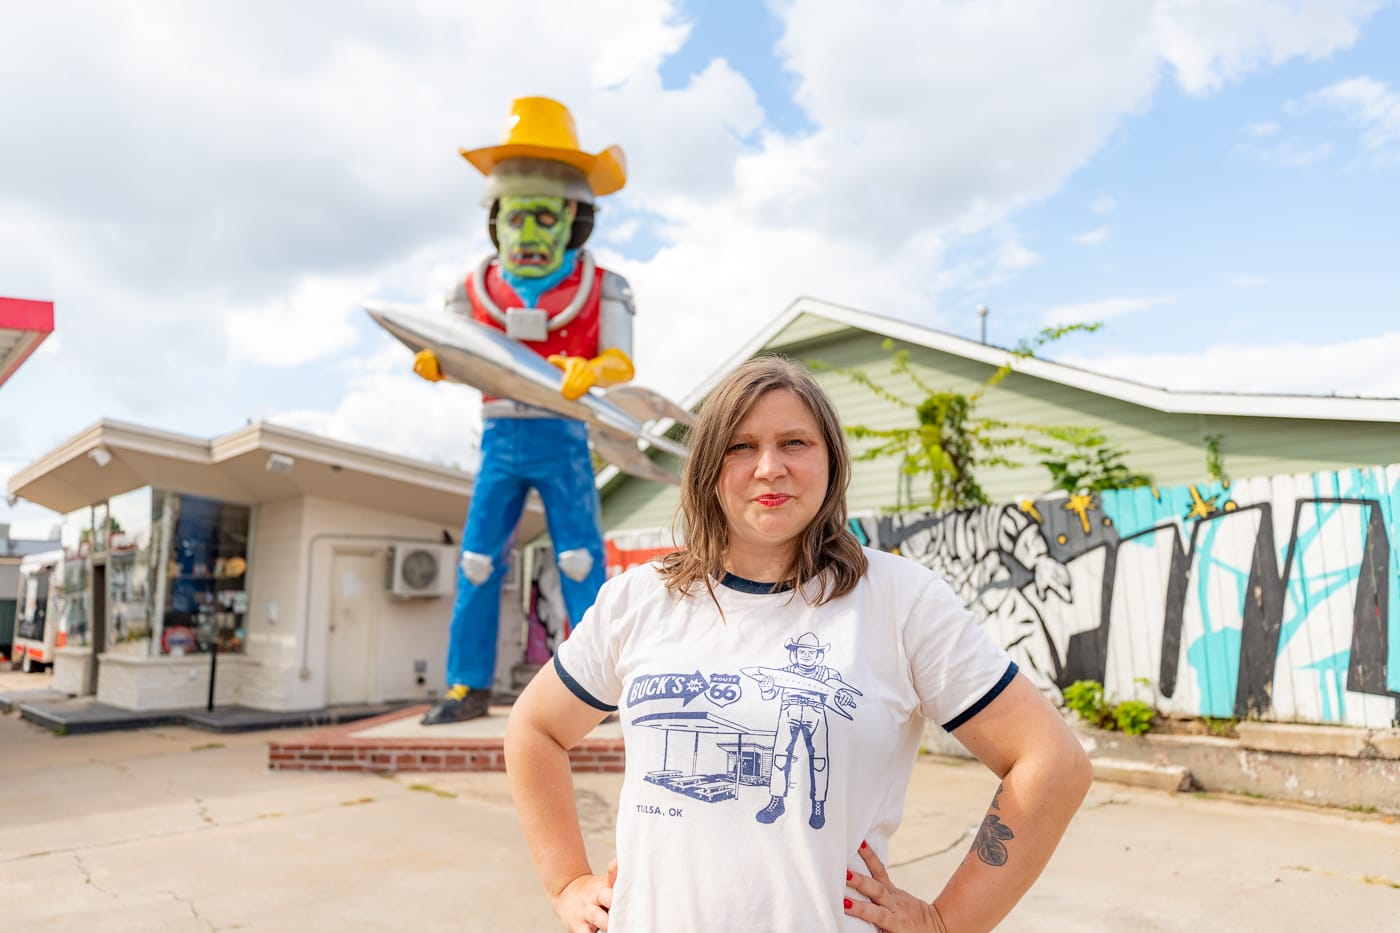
(551, 456)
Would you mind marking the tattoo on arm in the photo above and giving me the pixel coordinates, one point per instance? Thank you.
(990, 844)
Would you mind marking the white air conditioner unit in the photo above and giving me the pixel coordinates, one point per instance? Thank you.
(421, 570)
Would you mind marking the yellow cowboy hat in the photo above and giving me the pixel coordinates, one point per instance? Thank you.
(540, 128)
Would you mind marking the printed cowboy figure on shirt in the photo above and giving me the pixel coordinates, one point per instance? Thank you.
(806, 690)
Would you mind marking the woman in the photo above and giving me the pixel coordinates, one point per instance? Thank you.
(772, 680)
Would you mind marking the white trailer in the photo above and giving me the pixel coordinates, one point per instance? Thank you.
(39, 616)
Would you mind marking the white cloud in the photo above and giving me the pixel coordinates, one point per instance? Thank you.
(1103, 204)
(1291, 152)
(1013, 256)
(1373, 106)
(1353, 368)
(1096, 237)
(1248, 281)
(1047, 86)
(1208, 44)
(1089, 312)
(387, 407)
(619, 234)
(306, 325)
(1261, 129)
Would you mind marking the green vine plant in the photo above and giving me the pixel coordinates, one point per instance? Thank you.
(1085, 698)
(950, 443)
(1082, 460)
(1215, 458)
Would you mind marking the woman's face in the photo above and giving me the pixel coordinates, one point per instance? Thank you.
(773, 480)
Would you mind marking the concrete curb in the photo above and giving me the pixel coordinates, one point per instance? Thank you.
(1170, 778)
(1370, 784)
(1302, 739)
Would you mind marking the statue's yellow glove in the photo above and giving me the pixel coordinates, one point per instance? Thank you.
(581, 374)
(425, 364)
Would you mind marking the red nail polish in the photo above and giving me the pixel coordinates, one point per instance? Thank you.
(862, 843)
(848, 874)
(847, 902)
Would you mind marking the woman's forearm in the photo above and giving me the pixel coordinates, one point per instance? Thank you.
(1029, 813)
(542, 787)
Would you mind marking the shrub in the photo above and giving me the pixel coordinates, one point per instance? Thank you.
(1085, 698)
(1133, 717)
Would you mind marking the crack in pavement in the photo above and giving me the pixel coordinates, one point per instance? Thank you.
(179, 899)
(1381, 880)
(87, 878)
(168, 834)
(1111, 801)
(934, 853)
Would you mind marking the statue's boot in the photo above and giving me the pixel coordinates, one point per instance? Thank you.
(461, 703)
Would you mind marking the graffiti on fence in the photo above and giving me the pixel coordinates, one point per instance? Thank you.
(1274, 598)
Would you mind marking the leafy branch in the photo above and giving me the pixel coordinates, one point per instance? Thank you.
(949, 442)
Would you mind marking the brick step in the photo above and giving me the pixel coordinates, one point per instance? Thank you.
(364, 746)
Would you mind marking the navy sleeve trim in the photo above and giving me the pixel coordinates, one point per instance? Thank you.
(987, 697)
(577, 689)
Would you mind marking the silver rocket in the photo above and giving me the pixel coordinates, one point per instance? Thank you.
(472, 354)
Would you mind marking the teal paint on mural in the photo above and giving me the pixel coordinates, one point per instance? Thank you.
(858, 531)
(1215, 656)
(1391, 505)
(1133, 511)
(1298, 577)
(1331, 685)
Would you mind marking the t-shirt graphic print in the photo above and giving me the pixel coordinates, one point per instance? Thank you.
(806, 692)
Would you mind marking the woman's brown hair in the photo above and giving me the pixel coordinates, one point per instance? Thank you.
(826, 549)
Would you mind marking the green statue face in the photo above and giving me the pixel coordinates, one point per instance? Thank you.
(533, 234)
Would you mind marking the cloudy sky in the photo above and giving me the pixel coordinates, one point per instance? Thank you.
(208, 191)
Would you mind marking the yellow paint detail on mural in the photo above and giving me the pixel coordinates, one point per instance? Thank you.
(1080, 505)
(1201, 507)
(1028, 506)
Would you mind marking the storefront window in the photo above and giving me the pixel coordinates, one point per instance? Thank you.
(206, 597)
(76, 537)
(101, 528)
(131, 563)
(76, 533)
(74, 628)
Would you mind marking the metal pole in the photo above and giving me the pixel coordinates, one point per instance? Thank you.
(213, 669)
(982, 313)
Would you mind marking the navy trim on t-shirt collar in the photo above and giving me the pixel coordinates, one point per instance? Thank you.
(736, 582)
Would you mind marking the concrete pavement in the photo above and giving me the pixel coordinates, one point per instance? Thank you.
(175, 829)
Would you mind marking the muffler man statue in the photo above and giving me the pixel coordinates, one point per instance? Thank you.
(543, 290)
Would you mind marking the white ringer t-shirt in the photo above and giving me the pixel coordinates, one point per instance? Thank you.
(763, 746)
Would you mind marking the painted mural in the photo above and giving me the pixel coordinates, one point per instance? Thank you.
(1270, 598)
